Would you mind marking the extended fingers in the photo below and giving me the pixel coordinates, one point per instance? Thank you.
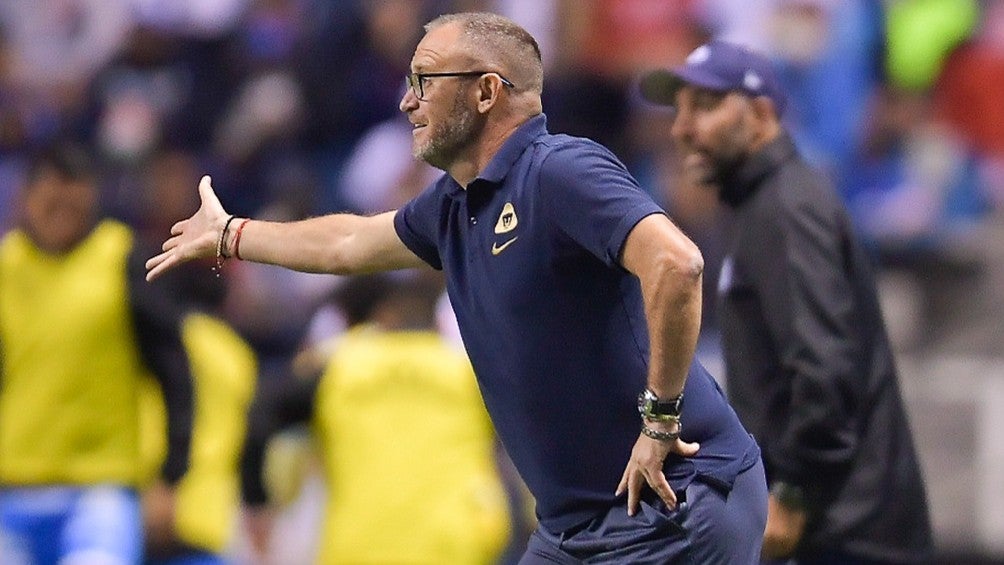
(157, 265)
(154, 261)
(635, 483)
(170, 243)
(657, 481)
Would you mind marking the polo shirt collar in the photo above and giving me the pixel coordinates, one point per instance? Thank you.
(507, 155)
(513, 147)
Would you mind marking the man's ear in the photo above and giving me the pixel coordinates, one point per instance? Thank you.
(489, 89)
(767, 120)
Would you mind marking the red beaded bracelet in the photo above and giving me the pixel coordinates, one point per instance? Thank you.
(237, 238)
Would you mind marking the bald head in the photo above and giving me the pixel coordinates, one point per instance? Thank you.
(499, 43)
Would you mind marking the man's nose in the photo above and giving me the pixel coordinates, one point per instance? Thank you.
(682, 126)
(409, 101)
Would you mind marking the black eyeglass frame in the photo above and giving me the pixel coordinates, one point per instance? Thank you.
(416, 81)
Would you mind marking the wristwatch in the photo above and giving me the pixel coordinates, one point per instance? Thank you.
(654, 409)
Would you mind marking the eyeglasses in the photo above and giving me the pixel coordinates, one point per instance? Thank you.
(416, 81)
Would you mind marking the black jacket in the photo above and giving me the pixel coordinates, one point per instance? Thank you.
(808, 363)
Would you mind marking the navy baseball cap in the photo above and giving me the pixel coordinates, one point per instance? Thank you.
(720, 66)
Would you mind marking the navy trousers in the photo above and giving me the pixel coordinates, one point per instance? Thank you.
(709, 527)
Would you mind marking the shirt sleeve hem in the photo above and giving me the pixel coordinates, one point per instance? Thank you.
(619, 237)
(407, 237)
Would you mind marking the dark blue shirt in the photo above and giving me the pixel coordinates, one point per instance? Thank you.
(554, 326)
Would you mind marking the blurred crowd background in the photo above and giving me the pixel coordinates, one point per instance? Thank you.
(292, 107)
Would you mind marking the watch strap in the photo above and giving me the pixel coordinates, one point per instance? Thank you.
(653, 408)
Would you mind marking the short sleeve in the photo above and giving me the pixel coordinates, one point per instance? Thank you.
(417, 224)
(592, 198)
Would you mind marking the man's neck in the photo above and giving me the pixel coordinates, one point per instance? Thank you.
(467, 168)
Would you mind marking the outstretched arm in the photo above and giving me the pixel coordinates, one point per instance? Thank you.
(336, 243)
(669, 267)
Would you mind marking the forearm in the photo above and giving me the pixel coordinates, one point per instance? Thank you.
(335, 243)
(800, 274)
(169, 365)
(276, 406)
(825, 383)
(157, 322)
(821, 429)
(178, 394)
(670, 268)
(673, 309)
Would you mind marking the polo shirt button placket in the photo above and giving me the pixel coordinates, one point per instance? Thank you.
(474, 221)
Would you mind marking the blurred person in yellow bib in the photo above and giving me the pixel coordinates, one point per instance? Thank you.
(78, 330)
(200, 528)
(407, 446)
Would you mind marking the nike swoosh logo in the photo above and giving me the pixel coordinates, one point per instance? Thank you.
(496, 248)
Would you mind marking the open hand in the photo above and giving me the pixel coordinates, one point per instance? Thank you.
(194, 238)
(645, 467)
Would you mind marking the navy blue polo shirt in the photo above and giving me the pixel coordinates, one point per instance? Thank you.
(554, 326)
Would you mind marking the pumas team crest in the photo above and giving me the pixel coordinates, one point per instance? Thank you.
(507, 219)
(507, 222)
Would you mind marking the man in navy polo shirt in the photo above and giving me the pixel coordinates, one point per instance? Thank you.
(578, 301)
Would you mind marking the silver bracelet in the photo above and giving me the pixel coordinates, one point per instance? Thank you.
(661, 435)
(661, 418)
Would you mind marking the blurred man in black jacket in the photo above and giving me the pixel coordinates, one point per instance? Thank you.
(809, 366)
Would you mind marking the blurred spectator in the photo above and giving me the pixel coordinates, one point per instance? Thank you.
(198, 526)
(58, 45)
(968, 95)
(351, 68)
(192, 18)
(622, 38)
(828, 55)
(381, 174)
(916, 187)
(161, 89)
(921, 34)
(388, 500)
(79, 327)
(602, 45)
(265, 112)
(272, 307)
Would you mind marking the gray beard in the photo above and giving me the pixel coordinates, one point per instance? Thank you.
(445, 144)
